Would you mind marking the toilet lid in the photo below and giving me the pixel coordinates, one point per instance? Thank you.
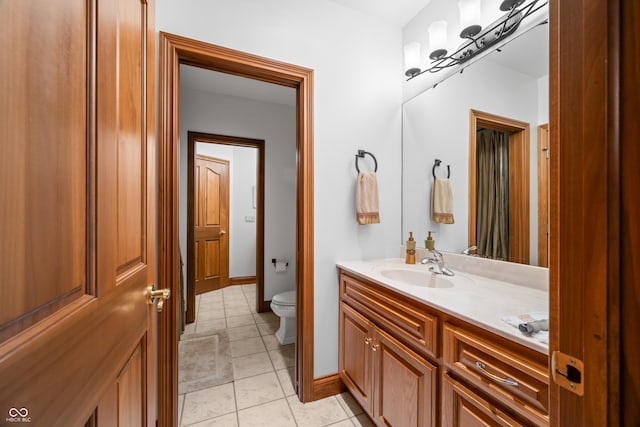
(285, 298)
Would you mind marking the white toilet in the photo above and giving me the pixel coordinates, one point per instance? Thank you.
(284, 306)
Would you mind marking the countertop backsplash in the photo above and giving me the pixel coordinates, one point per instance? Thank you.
(519, 274)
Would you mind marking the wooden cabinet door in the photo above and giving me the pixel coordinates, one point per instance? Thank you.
(76, 212)
(355, 355)
(405, 385)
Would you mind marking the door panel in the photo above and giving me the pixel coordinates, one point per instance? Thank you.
(42, 195)
(406, 385)
(75, 325)
(354, 359)
(211, 223)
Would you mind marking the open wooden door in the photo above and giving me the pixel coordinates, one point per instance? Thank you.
(211, 224)
(77, 202)
(595, 205)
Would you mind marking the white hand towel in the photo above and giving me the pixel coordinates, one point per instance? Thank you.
(367, 198)
(442, 201)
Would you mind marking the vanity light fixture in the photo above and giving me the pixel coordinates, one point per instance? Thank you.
(476, 38)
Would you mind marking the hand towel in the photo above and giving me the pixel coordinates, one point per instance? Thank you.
(442, 201)
(367, 198)
(515, 321)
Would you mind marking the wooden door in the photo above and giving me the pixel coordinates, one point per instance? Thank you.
(355, 359)
(211, 223)
(405, 385)
(76, 212)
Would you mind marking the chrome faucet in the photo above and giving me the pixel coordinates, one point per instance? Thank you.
(468, 250)
(437, 263)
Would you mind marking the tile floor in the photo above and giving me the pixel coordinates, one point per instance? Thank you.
(262, 393)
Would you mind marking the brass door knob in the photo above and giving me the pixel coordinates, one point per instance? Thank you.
(222, 232)
(158, 296)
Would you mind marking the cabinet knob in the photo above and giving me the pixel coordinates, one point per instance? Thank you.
(375, 347)
(367, 341)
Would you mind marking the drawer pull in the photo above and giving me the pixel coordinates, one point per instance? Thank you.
(483, 370)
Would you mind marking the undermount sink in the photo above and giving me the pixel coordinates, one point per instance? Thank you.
(424, 278)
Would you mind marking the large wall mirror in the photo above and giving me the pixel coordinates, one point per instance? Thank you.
(502, 96)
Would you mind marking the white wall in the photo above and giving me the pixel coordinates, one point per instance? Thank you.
(357, 63)
(436, 126)
(276, 125)
(242, 179)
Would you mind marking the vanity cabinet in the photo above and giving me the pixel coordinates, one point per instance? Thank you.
(408, 364)
(392, 383)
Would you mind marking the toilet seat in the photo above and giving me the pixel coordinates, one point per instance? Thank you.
(285, 298)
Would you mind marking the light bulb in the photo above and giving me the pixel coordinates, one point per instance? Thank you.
(469, 17)
(437, 39)
(412, 59)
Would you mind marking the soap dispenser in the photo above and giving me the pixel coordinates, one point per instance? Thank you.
(430, 244)
(411, 249)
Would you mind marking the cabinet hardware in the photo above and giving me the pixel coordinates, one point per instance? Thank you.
(367, 341)
(375, 347)
(568, 372)
(483, 370)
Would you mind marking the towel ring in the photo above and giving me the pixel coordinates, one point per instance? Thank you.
(436, 164)
(361, 154)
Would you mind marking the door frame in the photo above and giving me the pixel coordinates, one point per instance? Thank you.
(176, 50)
(519, 229)
(544, 151)
(258, 144)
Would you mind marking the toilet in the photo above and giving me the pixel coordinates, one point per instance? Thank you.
(284, 306)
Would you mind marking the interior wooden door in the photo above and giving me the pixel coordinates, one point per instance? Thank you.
(211, 223)
(77, 334)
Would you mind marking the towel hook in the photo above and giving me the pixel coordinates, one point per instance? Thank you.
(361, 154)
(436, 164)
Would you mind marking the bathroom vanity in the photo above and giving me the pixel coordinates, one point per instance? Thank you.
(419, 349)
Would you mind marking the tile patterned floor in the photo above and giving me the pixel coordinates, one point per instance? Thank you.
(262, 393)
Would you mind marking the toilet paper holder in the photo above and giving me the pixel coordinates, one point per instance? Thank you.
(273, 261)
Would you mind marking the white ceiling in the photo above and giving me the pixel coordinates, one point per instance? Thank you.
(527, 53)
(398, 12)
(204, 80)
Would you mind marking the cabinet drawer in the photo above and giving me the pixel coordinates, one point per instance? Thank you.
(462, 407)
(400, 316)
(518, 382)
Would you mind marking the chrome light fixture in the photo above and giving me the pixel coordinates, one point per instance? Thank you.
(476, 38)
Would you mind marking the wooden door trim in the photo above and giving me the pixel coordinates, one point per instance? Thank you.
(544, 148)
(519, 199)
(234, 141)
(176, 50)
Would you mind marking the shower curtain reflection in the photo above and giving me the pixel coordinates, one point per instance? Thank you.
(492, 197)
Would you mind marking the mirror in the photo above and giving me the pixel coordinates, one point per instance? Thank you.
(438, 124)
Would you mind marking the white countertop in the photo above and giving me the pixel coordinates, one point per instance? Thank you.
(478, 300)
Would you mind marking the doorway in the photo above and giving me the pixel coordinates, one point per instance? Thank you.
(176, 50)
(236, 274)
(518, 181)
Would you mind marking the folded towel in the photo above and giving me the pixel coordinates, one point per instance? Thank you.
(367, 198)
(516, 321)
(442, 201)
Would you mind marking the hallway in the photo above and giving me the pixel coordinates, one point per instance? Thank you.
(262, 391)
